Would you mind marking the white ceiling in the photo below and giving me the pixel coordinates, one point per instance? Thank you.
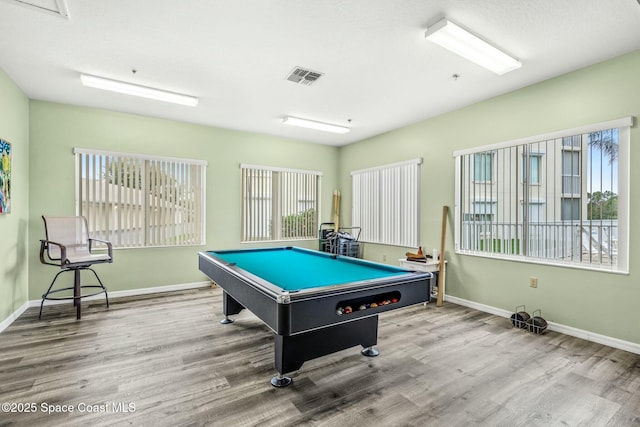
(379, 71)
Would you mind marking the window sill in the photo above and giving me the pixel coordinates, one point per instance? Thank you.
(603, 268)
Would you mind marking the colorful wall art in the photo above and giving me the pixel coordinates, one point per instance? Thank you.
(5, 177)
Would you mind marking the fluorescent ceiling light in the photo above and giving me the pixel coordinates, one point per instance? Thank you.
(460, 41)
(136, 90)
(311, 124)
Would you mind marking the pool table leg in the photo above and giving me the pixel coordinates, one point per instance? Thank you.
(229, 306)
(281, 380)
(370, 352)
(291, 351)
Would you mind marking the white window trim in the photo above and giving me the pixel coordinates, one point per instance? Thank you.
(279, 169)
(77, 150)
(617, 123)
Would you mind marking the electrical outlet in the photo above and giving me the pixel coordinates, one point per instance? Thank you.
(384, 257)
(533, 282)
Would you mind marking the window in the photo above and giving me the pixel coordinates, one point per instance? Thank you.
(536, 211)
(570, 209)
(279, 204)
(386, 203)
(136, 200)
(571, 181)
(483, 166)
(484, 210)
(569, 204)
(533, 171)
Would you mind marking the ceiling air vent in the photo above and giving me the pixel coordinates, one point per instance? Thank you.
(303, 76)
(55, 7)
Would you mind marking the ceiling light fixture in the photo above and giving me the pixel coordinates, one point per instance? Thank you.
(136, 90)
(460, 41)
(312, 124)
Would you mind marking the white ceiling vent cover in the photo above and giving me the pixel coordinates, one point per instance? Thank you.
(55, 7)
(303, 76)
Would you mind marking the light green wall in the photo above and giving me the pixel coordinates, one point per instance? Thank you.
(56, 129)
(593, 301)
(14, 128)
(603, 303)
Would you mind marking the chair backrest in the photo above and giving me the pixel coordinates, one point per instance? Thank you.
(70, 231)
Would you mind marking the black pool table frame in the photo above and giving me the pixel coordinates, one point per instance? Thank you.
(306, 323)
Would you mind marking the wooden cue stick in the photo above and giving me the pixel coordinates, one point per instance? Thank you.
(441, 271)
(336, 209)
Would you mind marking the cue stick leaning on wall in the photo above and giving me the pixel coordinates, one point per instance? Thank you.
(441, 271)
(336, 209)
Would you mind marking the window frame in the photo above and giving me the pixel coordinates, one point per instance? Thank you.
(485, 173)
(381, 220)
(199, 181)
(276, 210)
(624, 142)
(535, 164)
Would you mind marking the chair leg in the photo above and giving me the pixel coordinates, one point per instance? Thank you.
(44, 296)
(77, 290)
(106, 296)
(77, 294)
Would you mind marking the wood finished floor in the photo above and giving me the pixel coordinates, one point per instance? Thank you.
(169, 357)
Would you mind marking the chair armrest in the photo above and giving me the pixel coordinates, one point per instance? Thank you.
(109, 246)
(44, 245)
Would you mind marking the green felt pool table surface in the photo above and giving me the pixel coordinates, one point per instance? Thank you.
(295, 269)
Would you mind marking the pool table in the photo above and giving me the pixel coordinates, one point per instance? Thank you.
(316, 303)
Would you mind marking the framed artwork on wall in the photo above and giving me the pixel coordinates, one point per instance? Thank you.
(5, 177)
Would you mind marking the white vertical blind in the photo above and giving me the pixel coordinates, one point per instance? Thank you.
(386, 203)
(279, 203)
(135, 200)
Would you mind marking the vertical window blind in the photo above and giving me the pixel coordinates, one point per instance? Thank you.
(558, 198)
(279, 203)
(136, 200)
(386, 203)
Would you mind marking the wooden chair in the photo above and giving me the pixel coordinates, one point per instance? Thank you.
(69, 247)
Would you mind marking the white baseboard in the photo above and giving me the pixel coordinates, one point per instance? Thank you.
(158, 289)
(129, 293)
(591, 336)
(13, 316)
(112, 294)
(481, 307)
(552, 326)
